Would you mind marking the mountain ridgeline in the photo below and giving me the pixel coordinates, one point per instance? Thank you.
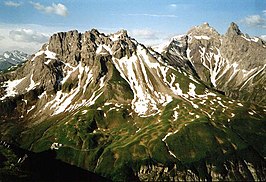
(11, 59)
(192, 109)
(232, 63)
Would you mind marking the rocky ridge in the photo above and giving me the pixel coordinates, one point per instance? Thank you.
(110, 105)
(13, 58)
(233, 63)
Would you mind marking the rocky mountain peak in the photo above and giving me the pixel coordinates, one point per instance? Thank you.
(122, 32)
(204, 29)
(233, 30)
(12, 58)
(205, 24)
(119, 35)
(95, 31)
(232, 62)
(15, 53)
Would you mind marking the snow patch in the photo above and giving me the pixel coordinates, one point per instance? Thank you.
(11, 88)
(47, 62)
(103, 50)
(6, 55)
(32, 84)
(172, 154)
(175, 115)
(214, 63)
(130, 69)
(49, 54)
(221, 104)
(251, 113)
(191, 91)
(31, 109)
(202, 37)
(254, 39)
(42, 95)
(84, 111)
(138, 130)
(56, 146)
(167, 135)
(116, 36)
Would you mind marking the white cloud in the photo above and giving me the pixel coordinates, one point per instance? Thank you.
(148, 37)
(58, 9)
(28, 35)
(154, 15)
(173, 5)
(144, 34)
(263, 37)
(255, 21)
(28, 38)
(264, 12)
(12, 4)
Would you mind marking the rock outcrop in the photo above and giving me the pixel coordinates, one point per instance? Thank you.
(232, 63)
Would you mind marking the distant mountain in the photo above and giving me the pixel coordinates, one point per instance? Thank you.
(12, 58)
(106, 103)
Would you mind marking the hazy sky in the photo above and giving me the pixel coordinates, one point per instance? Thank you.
(25, 25)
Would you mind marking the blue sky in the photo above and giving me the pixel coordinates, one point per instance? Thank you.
(26, 25)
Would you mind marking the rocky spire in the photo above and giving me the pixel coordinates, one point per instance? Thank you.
(205, 24)
(122, 33)
(233, 30)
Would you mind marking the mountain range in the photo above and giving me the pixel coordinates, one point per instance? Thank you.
(12, 59)
(190, 109)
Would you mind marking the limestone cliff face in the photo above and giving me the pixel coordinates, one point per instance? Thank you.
(233, 63)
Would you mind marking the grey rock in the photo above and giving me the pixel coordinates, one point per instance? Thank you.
(233, 30)
(233, 63)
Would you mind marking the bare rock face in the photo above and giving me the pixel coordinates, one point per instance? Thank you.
(248, 52)
(233, 30)
(67, 45)
(69, 61)
(233, 63)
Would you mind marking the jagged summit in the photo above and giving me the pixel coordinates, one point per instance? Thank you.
(121, 32)
(203, 29)
(233, 30)
(229, 62)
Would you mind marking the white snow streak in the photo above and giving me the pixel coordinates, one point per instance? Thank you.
(49, 55)
(133, 70)
(32, 84)
(11, 88)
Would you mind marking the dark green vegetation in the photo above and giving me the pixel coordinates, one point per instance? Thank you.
(108, 141)
(189, 139)
(17, 164)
